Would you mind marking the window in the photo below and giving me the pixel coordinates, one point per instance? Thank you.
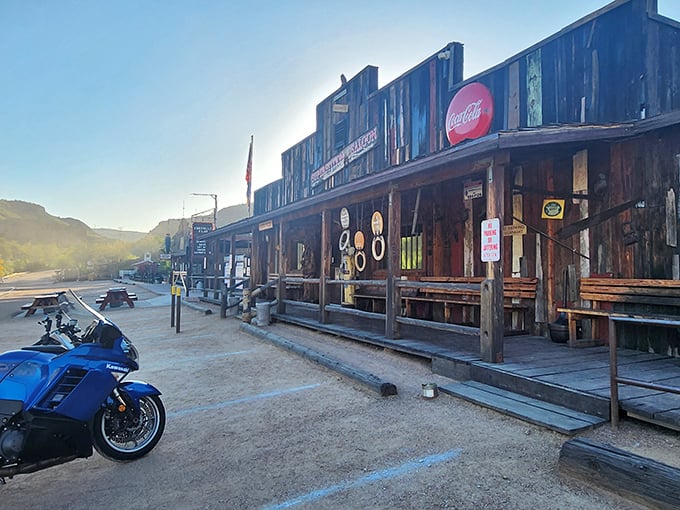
(340, 134)
(299, 251)
(412, 249)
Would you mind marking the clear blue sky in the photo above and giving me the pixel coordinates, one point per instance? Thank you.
(115, 112)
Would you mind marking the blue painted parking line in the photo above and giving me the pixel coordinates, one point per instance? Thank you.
(385, 474)
(243, 400)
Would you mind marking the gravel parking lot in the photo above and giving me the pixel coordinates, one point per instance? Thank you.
(251, 425)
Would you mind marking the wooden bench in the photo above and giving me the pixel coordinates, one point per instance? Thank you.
(519, 294)
(370, 298)
(116, 297)
(633, 297)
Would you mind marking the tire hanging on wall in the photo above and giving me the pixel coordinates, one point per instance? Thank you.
(344, 240)
(357, 256)
(378, 240)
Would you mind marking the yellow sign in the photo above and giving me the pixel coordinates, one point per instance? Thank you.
(553, 209)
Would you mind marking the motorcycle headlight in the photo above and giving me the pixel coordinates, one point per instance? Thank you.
(130, 350)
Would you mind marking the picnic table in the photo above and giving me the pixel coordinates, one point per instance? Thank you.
(115, 297)
(48, 302)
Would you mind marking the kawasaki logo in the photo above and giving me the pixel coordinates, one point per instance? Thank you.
(117, 368)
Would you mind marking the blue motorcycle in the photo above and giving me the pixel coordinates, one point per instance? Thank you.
(66, 394)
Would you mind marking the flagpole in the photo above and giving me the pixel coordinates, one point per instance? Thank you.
(249, 172)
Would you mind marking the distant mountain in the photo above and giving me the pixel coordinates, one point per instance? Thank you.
(128, 236)
(23, 222)
(225, 216)
(32, 239)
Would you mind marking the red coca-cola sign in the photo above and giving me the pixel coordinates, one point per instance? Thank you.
(470, 113)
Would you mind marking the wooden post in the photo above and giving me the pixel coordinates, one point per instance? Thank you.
(491, 314)
(281, 287)
(172, 306)
(232, 255)
(392, 292)
(613, 376)
(179, 309)
(325, 266)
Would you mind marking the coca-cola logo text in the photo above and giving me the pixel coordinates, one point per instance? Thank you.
(470, 113)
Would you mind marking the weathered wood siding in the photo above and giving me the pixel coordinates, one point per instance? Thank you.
(619, 64)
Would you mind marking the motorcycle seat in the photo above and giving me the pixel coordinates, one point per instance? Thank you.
(50, 349)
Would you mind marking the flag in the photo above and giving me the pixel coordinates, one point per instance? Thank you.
(249, 172)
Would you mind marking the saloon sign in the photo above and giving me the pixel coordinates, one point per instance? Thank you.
(470, 113)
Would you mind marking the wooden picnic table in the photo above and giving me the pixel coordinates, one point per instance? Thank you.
(115, 297)
(48, 302)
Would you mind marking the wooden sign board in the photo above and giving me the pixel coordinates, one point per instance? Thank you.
(265, 225)
(514, 229)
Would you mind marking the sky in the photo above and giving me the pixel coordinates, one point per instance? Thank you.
(115, 112)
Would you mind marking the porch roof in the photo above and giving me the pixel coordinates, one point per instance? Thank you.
(479, 149)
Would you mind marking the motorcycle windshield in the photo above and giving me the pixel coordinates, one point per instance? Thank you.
(89, 326)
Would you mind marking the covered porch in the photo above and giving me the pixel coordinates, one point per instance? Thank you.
(534, 367)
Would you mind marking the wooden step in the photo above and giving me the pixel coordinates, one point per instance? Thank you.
(544, 414)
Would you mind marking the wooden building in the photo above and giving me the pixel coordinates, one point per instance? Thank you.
(482, 206)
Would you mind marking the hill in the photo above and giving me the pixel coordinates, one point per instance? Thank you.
(31, 239)
(23, 223)
(225, 216)
(128, 236)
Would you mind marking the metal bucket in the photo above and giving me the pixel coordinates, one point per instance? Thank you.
(264, 316)
(430, 390)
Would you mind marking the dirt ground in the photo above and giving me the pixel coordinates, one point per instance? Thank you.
(253, 426)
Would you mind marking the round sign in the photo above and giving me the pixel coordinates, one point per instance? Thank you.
(377, 223)
(552, 209)
(359, 240)
(470, 113)
(344, 217)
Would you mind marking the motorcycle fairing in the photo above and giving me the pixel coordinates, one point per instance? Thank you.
(9, 408)
(23, 375)
(10, 359)
(73, 384)
(48, 437)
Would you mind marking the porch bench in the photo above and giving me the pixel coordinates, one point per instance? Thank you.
(610, 296)
(370, 299)
(519, 294)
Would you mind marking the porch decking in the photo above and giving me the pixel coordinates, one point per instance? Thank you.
(534, 366)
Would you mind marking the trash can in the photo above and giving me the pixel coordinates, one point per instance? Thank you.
(263, 310)
(232, 306)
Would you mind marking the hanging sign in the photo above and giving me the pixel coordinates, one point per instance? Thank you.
(200, 228)
(491, 240)
(470, 113)
(265, 225)
(359, 240)
(553, 209)
(514, 229)
(344, 217)
(377, 223)
(473, 189)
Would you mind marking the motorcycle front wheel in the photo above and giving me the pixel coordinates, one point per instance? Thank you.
(124, 436)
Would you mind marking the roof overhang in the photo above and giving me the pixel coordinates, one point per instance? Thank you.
(482, 148)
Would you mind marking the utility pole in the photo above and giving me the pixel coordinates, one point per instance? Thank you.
(214, 197)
